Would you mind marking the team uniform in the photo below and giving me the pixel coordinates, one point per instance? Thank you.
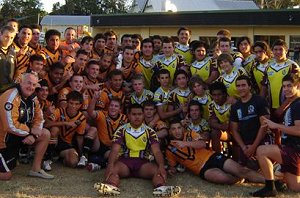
(135, 145)
(106, 95)
(106, 127)
(7, 68)
(203, 68)
(185, 52)
(221, 113)
(18, 116)
(179, 97)
(22, 60)
(67, 133)
(37, 48)
(62, 96)
(147, 69)
(248, 62)
(257, 74)
(200, 127)
(66, 52)
(88, 81)
(204, 101)
(290, 145)
(229, 80)
(161, 97)
(273, 79)
(134, 69)
(172, 63)
(103, 73)
(145, 96)
(238, 59)
(69, 68)
(196, 160)
(51, 57)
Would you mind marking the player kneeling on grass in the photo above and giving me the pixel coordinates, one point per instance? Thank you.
(135, 140)
(67, 127)
(188, 149)
(22, 123)
(288, 153)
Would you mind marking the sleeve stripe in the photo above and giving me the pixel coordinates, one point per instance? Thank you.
(10, 122)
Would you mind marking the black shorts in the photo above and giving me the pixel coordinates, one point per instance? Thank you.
(217, 160)
(62, 146)
(9, 155)
(103, 149)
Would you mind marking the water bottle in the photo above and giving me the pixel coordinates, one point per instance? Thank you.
(93, 167)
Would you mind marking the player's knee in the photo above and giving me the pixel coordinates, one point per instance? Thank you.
(260, 151)
(71, 159)
(5, 176)
(46, 134)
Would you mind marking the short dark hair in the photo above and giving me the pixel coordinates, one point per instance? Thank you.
(174, 121)
(125, 36)
(241, 39)
(147, 40)
(135, 106)
(69, 28)
(158, 37)
(75, 95)
(72, 77)
(218, 86)
(244, 77)
(224, 57)
(168, 40)
(36, 57)
(280, 42)
(86, 39)
(197, 44)
(115, 72)
(116, 99)
(25, 27)
(180, 71)
(224, 39)
(81, 51)
(35, 26)
(50, 33)
(294, 78)
(183, 28)
(149, 103)
(163, 71)
(195, 103)
(92, 62)
(57, 65)
(110, 33)
(137, 36)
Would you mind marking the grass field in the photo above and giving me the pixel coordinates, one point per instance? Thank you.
(79, 183)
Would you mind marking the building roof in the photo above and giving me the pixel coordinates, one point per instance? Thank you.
(65, 20)
(191, 5)
(205, 18)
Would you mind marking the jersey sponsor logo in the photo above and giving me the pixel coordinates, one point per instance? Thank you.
(8, 106)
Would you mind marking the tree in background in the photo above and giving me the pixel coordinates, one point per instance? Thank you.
(277, 4)
(25, 11)
(88, 7)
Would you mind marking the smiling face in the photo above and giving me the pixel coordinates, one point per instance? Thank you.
(53, 42)
(279, 53)
(289, 89)
(56, 75)
(76, 83)
(114, 109)
(200, 53)
(70, 35)
(28, 84)
(243, 88)
(168, 49)
(245, 47)
(138, 86)
(184, 37)
(24, 36)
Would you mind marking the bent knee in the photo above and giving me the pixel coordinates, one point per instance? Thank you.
(5, 176)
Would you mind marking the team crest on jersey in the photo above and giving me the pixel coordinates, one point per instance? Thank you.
(270, 73)
(8, 106)
(251, 109)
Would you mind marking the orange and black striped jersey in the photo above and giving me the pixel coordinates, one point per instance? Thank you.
(22, 59)
(135, 142)
(103, 74)
(51, 57)
(37, 48)
(45, 104)
(106, 95)
(67, 133)
(70, 68)
(62, 96)
(88, 81)
(18, 115)
(107, 126)
(64, 46)
(134, 69)
(273, 78)
(191, 158)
